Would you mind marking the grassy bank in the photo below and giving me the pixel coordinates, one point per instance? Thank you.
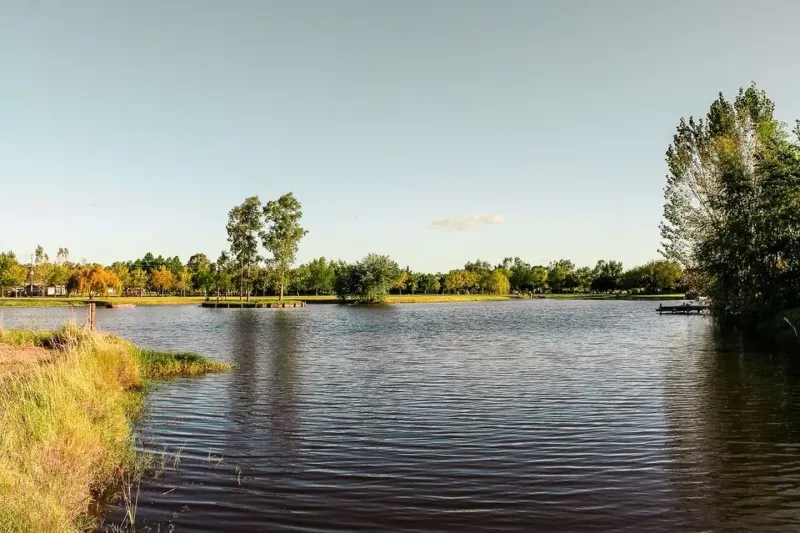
(436, 298)
(444, 298)
(143, 301)
(654, 297)
(68, 400)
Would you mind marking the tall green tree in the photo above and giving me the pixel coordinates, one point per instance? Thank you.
(478, 266)
(40, 256)
(222, 277)
(62, 256)
(11, 272)
(539, 278)
(520, 274)
(505, 267)
(321, 275)
(664, 276)
(122, 273)
(198, 262)
(282, 235)
(580, 279)
(455, 281)
(138, 279)
(174, 265)
(606, 275)
(244, 224)
(429, 283)
(730, 204)
(412, 281)
(183, 281)
(40, 270)
(204, 280)
(367, 281)
(495, 282)
(558, 274)
(299, 279)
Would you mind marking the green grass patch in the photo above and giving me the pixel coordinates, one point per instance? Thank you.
(42, 302)
(159, 365)
(144, 301)
(22, 337)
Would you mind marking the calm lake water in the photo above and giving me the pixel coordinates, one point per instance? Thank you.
(512, 416)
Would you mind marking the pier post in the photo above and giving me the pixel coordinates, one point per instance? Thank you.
(92, 315)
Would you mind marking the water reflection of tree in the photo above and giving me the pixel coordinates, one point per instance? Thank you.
(282, 376)
(244, 340)
(733, 418)
(262, 397)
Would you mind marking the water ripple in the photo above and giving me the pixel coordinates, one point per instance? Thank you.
(522, 416)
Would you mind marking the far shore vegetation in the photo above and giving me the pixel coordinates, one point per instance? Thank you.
(730, 232)
(155, 280)
(68, 401)
(145, 301)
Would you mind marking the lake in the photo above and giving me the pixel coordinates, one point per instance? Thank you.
(534, 415)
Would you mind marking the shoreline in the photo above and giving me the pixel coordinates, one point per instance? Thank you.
(151, 301)
(70, 400)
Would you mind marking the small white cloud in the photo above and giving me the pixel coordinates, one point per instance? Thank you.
(466, 223)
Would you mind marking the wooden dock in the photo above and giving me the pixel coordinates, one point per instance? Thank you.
(683, 309)
(120, 306)
(252, 305)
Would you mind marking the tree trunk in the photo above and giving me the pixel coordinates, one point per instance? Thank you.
(317, 292)
(280, 298)
(246, 285)
(241, 282)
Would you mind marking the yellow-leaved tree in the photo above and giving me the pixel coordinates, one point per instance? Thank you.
(162, 279)
(400, 282)
(94, 280)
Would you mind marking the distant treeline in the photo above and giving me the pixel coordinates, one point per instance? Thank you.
(364, 280)
(242, 271)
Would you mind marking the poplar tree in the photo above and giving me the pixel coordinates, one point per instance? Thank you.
(282, 236)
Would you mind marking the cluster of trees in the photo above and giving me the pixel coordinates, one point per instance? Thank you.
(732, 207)
(41, 270)
(361, 281)
(275, 226)
(515, 275)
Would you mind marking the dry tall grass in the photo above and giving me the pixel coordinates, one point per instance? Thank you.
(66, 427)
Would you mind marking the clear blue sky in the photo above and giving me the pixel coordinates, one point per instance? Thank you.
(527, 128)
